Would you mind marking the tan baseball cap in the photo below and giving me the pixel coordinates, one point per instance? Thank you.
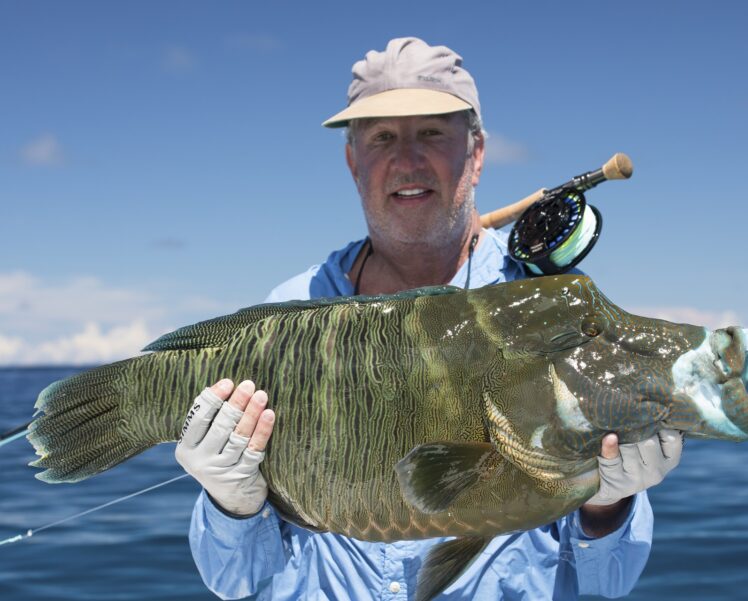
(408, 78)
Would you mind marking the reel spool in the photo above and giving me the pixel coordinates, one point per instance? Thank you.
(556, 232)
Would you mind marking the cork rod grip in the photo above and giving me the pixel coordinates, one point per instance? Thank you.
(505, 215)
(619, 166)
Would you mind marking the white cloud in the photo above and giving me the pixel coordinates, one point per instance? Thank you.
(91, 345)
(45, 151)
(28, 303)
(696, 317)
(500, 150)
(82, 320)
(178, 60)
(10, 348)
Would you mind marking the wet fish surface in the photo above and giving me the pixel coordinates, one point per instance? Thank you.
(433, 412)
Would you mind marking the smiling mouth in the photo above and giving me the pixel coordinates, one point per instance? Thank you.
(412, 193)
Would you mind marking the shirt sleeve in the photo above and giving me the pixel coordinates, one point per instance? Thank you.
(611, 565)
(235, 557)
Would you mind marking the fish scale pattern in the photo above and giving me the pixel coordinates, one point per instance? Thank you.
(354, 388)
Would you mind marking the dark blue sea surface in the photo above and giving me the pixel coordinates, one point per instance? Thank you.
(138, 549)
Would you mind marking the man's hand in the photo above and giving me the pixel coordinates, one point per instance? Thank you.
(637, 466)
(625, 471)
(223, 444)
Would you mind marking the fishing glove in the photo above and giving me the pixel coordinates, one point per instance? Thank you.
(218, 458)
(637, 467)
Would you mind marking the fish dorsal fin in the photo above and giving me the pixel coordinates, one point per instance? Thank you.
(445, 563)
(434, 474)
(217, 331)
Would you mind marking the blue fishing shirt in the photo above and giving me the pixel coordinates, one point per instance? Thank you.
(268, 558)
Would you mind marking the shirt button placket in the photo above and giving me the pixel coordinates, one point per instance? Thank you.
(393, 572)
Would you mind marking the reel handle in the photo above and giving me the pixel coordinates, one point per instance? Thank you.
(619, 166)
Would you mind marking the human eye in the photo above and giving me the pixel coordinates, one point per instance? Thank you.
(382, 136)
(431, 132)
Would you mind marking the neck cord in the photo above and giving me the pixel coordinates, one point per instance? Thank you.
(370, 251)
(471, 248)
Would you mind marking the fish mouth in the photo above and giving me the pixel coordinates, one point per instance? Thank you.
(728, 346)
(713, 378)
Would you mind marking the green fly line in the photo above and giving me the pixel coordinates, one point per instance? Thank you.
(555, 233)
(574, 245)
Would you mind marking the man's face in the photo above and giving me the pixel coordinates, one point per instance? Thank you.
(415, 176)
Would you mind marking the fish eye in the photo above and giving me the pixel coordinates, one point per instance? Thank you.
(592, 326)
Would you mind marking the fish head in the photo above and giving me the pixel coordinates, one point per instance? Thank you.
(624, 372)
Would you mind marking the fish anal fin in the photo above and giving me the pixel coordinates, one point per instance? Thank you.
(433, 475)
(445, 563)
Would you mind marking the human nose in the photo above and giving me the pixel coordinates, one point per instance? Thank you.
(408, 154)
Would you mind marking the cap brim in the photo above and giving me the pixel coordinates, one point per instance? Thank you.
(403, 102)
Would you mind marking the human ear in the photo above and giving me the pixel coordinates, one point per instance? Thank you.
(479, 151)
(351, 161)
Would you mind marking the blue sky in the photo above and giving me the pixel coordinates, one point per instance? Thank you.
(163, 162)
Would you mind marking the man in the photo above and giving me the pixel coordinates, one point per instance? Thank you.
(415, 150)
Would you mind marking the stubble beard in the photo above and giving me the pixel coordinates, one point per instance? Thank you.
(443, 231)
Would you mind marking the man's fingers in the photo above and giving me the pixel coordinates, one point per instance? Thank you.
(222, 389)
(232, 451)
(650, 451)
(671, 442)
(218, 434)
(262, 432)
(242, 394)
(248, 422)
(610, 446)
(202, 412)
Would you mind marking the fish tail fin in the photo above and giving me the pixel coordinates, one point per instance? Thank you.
(83, 425)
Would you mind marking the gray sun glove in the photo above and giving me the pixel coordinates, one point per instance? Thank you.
(639, 466)
(218, 458)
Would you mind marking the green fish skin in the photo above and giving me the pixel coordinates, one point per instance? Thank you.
(433, 412)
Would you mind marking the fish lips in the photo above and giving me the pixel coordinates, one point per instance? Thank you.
(729, 348)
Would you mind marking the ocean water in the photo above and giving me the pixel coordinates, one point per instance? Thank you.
(138, 549)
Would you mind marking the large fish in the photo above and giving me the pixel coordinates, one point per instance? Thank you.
(428, 413)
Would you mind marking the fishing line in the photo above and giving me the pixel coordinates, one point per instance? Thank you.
(30, 533)
(14, 434)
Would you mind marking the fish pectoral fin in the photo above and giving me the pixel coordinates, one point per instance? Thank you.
(434, 474)
(445, 563)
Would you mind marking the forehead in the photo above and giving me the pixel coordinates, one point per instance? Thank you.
(449, 119)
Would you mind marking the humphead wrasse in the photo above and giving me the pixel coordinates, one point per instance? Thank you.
(433, 412)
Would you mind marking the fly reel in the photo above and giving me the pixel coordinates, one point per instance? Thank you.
(556, 232)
